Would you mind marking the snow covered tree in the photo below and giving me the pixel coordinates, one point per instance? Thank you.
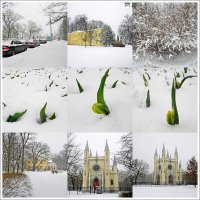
(191, 172)
(125, 30)
(164, 30)
(107, 35)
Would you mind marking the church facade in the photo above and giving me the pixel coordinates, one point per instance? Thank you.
(167, 170)
(97, 172)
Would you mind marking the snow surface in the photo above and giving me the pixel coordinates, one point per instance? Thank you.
(73, 194)
(80, 114)
(160, 83)
(46, 184)
(165, 191)
(25, 89)
(51, 54)
(97, 56)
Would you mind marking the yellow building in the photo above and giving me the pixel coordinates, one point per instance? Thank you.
(41, 165)
(166, 169)
(97, 172)
(81, 38)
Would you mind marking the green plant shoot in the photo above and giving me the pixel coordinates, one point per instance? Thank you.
(79, 86)
(101, 107)
(148, 101)
(15, 117)
(114, 84)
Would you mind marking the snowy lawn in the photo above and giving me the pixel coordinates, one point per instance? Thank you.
(46, 184)
(30, 89)
(16, 186)
(165, 191)
(32, 78)
(160, 81)
(95, 57)
(73, 194)
(119, 100)
(51, 54)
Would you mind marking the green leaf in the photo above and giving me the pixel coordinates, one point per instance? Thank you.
(123, 83)
(53, 116)
(145, 81)
(43, 115)
(178, 85)
(15, 117)
(172, 116)
(148, 75)
(50, 83)
(101, 107)
(148, 102)
(185, 70)
(79, 86)
(4, 104)
(64, 95)
(114, 84)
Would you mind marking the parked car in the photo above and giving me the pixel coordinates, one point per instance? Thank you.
(12, 47)
(32, 43)
(43, 41)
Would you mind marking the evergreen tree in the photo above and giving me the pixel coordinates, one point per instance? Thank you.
(107, 35)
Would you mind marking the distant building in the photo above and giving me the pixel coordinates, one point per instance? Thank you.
(166, 169)
(41, 166)
(97, 172)
(92, 38)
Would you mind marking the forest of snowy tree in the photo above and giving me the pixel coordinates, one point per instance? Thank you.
(164, 29)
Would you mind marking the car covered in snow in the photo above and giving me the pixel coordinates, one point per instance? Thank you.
(43, 41)
(32, 43)
(12, 47)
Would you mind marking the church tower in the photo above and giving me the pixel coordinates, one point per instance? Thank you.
(166, 169)
(97, 172)
(107, 165)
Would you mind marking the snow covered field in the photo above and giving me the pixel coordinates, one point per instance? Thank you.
(32, 78)
(30, 89)
(95, 57)
(46, 184)
(160, 84)
(165, 192)
(51, 54)
(81, 116)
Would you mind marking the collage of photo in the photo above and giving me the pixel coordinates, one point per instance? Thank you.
(99, 100)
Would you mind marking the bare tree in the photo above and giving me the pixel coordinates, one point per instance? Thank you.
(140, 169)
(125, 154)
(33, 29)
(38, 152)
(10, 18)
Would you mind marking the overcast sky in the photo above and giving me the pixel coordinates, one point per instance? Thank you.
(144, 145)
(54, 140)
(111, 13)
(34, 11)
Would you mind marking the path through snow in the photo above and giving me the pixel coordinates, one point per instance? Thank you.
(46, 184)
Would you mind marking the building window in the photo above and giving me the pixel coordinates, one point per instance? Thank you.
(111, 182)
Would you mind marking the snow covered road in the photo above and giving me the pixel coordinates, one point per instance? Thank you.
(52, 54)
(46, 184)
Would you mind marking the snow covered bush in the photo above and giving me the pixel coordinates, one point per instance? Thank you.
(16, 185)
(164, 29)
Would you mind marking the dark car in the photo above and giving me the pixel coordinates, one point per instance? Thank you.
(12, 47)
(43, 41)
(32, 43)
